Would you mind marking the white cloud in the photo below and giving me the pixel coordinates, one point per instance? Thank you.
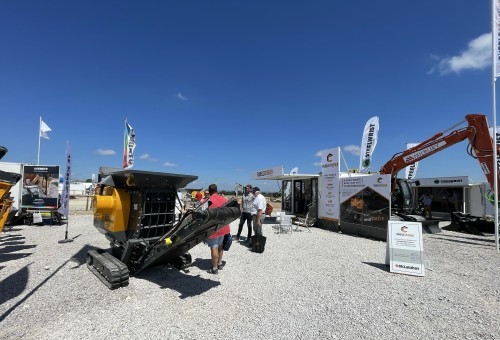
(477, 56)
(148, 158)
(320, 152)
(180, 96)
(169, 164)
(352, 149)
(107, 152)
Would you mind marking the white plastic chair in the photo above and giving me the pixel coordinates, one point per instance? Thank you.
(278, 219)
(285, 224)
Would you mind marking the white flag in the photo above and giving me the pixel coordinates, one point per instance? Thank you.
(368, 143)
(294, 171)
(64, 208)
(411, 170)
(44, 128)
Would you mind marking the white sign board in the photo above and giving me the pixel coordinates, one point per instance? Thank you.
(328, 203)
(268, 173)
(459, 181)
(406, 250)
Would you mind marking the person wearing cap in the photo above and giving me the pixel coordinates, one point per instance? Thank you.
(248, 210)
(204, 200)
(259, 204)
(215, 240)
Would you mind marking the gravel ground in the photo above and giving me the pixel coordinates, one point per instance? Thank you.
(304, 286)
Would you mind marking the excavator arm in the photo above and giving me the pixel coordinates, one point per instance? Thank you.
(480, 141)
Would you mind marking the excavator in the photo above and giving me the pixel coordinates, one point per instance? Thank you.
(136, 212)
(480, 147)
(7, 181)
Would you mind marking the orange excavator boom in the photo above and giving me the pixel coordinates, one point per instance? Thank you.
(480, 141)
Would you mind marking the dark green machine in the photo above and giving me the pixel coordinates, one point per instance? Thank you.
(136, 211)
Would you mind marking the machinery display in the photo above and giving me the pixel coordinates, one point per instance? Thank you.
(135, 210)
(7, 181)
(480, 147)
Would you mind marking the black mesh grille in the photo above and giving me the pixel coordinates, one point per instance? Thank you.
(158, 214)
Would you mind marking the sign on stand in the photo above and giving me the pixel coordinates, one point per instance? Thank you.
(406, 250)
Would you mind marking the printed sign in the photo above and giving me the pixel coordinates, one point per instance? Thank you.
(364, 200)
(268, 173)
(328, 207)
(406, 251)
(40, 187)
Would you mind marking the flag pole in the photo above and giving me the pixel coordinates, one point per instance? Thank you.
(495, 165)
(39, 129)
(495, 45)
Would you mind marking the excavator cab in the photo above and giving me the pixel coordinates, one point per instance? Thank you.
(402, 197)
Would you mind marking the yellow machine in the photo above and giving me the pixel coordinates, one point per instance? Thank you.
(135, 210)
(7, 181)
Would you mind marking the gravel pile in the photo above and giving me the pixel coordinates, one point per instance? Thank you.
(304, 286)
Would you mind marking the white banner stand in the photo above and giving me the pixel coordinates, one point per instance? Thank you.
(406, 250)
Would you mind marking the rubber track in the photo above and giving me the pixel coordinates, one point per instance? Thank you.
(111, 271)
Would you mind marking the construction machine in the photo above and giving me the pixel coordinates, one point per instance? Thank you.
(135, 210)
(480, 147)
(7, 181)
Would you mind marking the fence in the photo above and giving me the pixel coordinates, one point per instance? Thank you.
(81, 203)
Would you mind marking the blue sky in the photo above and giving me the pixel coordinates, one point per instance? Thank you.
(221, 89)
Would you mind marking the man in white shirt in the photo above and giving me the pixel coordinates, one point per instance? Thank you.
(259, 204)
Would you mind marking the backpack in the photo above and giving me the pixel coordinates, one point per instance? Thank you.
(226, 243)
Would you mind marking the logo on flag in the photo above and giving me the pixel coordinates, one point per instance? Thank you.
(368, 143)
(128, 147)
(64, 208)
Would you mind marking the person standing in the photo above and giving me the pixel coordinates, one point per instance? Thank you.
(445, 197)
(204, 200)
(259, 204)
(215, 240)
(247, 211)
(427, 201)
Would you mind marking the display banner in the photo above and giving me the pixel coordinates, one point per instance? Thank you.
(497, 139)
(40, 187)
(328, 184)
(128, 147)
(496, 39)
(406, 250)
(64, 208)
(411, 170)
(365, 200)
(368, 143)
(268, 173)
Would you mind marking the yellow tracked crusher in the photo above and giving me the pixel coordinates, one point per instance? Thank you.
(135, 210)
